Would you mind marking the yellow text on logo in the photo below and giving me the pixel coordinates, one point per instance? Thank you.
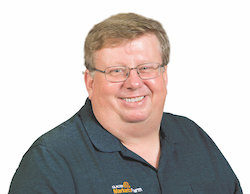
(126, 188)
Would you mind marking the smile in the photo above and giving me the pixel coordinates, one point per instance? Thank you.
(136, 99)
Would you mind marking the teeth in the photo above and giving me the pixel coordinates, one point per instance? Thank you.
(133, 99)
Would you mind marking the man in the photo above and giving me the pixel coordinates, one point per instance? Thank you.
(121, 141)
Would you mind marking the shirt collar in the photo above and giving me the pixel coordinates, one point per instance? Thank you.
(170, 129)
(100, 137)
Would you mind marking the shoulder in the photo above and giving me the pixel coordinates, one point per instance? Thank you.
(188, 135)
(61, 136)
(180, 128)
(181, 121)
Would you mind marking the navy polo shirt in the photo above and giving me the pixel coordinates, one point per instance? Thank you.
(79, 156)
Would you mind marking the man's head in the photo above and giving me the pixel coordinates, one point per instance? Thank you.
(119, 28)
(134, 92)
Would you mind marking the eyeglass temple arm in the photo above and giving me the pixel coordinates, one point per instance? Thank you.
(99, 70)
(95, 70)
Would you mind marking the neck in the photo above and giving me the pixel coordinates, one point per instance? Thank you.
(135, 133)
(148, 148)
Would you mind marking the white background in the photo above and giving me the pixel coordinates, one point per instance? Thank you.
(41, 58)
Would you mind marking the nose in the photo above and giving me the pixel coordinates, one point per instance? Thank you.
(133, 81)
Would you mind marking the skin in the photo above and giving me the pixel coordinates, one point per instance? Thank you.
(136, 124)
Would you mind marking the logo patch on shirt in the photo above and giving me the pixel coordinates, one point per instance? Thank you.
(125, 188)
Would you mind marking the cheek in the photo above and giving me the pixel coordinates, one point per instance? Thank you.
(158, 90)
(158, 85)
(105, 90)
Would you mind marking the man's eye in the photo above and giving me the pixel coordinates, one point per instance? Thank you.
(117, 70)
(145, 69)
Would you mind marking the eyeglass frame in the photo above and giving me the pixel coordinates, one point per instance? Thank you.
(129, 69)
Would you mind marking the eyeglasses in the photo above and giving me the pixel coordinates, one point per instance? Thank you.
(121, 73)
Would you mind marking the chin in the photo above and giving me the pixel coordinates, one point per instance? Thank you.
(135, 118)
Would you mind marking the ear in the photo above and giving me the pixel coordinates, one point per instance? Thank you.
(165, 75)
(89, 82)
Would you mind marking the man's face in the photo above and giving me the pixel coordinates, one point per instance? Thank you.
(110, 100)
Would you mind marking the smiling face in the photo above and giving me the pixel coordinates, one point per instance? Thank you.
(134, 100)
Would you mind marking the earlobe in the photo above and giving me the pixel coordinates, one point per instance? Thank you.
(89, 81)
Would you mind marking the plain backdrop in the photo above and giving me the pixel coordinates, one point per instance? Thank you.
(41, 58)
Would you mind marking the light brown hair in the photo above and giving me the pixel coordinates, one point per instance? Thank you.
(118, 28)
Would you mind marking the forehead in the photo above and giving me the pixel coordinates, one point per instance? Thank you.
(145, 48)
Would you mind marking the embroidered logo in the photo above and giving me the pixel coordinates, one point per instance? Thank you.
(125, 188)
